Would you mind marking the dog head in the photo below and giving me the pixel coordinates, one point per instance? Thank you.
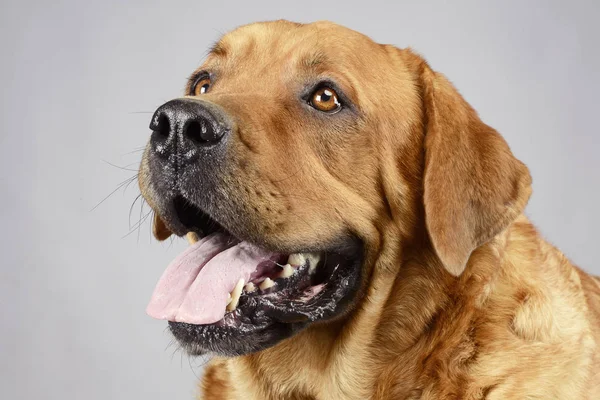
(298, 156)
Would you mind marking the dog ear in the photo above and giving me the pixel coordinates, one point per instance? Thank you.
(473, 185)
(159, 229)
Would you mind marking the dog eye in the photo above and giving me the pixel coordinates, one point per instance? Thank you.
(325, 99)
(201, 86)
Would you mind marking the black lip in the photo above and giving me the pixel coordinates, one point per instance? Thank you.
(182, 216)
(260, 322)
(229, 341)
(193, 218)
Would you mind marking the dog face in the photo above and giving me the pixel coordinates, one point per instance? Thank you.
(304, 156)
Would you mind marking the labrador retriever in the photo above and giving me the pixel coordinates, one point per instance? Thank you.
(357, 232)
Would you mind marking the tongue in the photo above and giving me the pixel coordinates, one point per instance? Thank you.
(195, 286)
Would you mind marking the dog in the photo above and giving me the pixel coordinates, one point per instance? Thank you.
(357, 232)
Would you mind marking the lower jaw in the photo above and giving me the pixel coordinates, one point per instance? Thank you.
(226, 341)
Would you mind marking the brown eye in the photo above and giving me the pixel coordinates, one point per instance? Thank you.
(325, 99)
(201, 86)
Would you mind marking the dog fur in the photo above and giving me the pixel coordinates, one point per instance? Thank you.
(462, 298)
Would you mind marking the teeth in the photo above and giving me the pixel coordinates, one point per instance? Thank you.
(287, 271)
(300, 259)
(267, 283)
(250, 287)
(296, 259)
(192, 237)
(313, 259)
(235, 295)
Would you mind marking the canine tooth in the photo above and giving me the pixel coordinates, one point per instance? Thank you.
(192, 237)
(296, 259)
(228, 298)
(267, 283)
(235, 295)
(313, 260)
(250, 287)
(287, 271)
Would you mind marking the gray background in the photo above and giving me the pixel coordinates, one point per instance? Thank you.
(78, 81)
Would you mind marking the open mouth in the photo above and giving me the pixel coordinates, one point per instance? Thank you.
(222, 286)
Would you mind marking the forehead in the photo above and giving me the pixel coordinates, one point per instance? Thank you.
(283, 44)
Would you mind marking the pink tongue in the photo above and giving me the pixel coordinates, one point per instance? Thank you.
(195, 286)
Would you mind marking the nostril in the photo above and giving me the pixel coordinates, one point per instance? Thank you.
(163, 127)
(181, 125)
(200, 131)
(193, 130)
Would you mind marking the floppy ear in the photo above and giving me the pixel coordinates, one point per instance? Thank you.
(159, 229)
(473, 185)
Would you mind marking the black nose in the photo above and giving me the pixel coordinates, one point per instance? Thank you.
(181, 127)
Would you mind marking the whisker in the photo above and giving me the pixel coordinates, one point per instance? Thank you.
(123, 168)
(130, 182)
(171, 241)
(125, 182)
(141, 211)
(192, 368)
(138, 224)
(175, 351)
(150, 230)
(131, 208)
(137, 150)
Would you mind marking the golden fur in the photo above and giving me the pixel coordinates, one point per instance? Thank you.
(462, 298)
